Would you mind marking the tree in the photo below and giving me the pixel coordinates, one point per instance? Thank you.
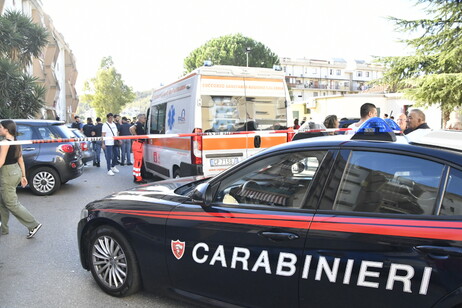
(231, 50)
(107, 92)
(21, 96)
(433, 75)
(20, 38)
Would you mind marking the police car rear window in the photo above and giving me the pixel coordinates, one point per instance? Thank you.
(388, 183)
(452, 201)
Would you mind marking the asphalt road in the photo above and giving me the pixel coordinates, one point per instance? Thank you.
(45, 271)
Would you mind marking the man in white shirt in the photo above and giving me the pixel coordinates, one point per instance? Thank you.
(367, 111)
(109, 129)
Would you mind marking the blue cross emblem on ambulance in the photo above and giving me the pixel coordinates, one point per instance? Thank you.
(171, 117)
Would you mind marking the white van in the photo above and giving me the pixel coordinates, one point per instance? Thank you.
(216, 100)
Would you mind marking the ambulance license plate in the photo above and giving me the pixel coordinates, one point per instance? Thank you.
(219, 162)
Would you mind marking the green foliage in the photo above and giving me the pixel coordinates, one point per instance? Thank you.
(231, 50)
(437, 88)
(21, 96)
(433, 74)
(139, 105)
(107, 92)
(20, 38)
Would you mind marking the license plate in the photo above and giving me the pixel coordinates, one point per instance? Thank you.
(219, 162)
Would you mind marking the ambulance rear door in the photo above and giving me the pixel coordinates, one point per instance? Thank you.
(240, 103)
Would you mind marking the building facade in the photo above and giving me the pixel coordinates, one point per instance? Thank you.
(56, 68)
(311, 78)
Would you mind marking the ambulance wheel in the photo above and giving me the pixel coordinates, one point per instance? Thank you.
(176, 173)
(113, 262)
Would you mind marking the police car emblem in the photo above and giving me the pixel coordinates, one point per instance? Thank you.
(178, 248)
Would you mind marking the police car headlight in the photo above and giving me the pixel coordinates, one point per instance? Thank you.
(84, 214)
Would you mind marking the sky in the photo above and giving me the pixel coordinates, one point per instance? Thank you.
(148, 40)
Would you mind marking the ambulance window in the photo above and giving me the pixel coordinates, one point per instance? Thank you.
(282, 181)
(158, 119)
(268, 112)
(403, 185)
(220, 113)
(240, 113)
(452, 201)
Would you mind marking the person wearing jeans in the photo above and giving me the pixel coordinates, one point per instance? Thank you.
(109, 130)
(97, 132)
(126, 152)
(97, 147)
(124, 130)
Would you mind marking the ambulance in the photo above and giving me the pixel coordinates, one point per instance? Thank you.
(218, 102)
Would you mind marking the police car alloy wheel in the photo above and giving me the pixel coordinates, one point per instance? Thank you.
(113, 263)
(44, 181)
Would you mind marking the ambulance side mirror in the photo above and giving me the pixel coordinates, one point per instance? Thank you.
(203, 194)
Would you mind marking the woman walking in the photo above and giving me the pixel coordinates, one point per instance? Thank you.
(12, 172)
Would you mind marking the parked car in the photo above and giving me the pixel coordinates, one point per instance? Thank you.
(337, 221)
(88, 154)
(48, 165)
(345, 122)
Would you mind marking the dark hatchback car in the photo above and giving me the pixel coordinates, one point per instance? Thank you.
(48, 165)
(334, 221)
(88, 154)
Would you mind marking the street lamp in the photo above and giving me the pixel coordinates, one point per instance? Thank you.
(247, 50)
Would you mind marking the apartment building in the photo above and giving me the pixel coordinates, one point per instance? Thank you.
(55, 68)
(310, 78)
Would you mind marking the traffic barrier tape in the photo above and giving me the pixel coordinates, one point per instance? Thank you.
(154, 136)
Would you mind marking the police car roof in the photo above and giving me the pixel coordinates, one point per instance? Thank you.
(437, 143)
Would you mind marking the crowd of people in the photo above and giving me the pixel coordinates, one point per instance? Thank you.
(407, 122)
(116, 152)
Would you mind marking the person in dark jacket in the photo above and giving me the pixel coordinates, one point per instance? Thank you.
(88, 128)
(124, 130)
(415, 121)
(77, 124)
(97, 132)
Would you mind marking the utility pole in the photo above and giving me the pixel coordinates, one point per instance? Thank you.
(247, 51)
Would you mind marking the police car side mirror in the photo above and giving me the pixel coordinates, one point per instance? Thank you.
(203, 194)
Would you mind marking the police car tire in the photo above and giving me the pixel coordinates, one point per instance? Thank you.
(104, 236)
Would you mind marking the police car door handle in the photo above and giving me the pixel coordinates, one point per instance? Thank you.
(279, 236)
(28, 149)
(440, 252)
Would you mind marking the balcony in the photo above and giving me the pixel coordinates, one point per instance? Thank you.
(51, 51)
(52, 86)
(319, 87)
(38, 70)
